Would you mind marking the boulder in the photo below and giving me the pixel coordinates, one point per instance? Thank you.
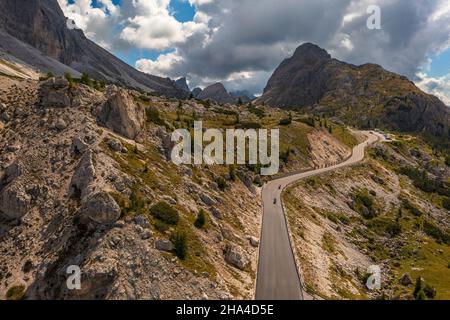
(101, 208)
(236, 257)
(254, 242)
(207, 199)
(163, 245)
(216, 213)
(60, 124)
(55, 93)
(14, 201)
(115, 145)
(142, 221)
(122, 114)
(79, 146)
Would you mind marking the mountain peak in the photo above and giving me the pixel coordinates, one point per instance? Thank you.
(182, 84)
(311, 51)
(216, 92)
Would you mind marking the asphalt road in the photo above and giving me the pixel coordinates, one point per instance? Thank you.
(278, 277)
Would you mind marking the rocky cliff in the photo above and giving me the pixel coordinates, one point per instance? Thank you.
(216, 92)
(367, 95)
(27, 25)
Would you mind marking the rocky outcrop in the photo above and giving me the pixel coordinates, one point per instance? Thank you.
(367, 96)
(14, 201)
(27, 27)
(83, 176)
(216, 92)
(182, 84)
(196, 92)
(122, 114)
(247, 179)
(101, 208)
(54, 93)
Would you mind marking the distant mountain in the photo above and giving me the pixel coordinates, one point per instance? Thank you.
(35, 31)
(216, 92)
(196, 92)
(244, 95)
(366, 95)
(182, 84)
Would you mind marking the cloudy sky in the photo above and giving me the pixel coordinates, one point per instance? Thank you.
(241, 42)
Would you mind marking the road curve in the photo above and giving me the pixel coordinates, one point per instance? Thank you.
(278, 277)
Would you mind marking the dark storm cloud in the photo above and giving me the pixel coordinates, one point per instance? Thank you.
(255, 36)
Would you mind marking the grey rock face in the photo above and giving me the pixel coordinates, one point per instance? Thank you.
(182, 84)
(79, 146)
(14, 201)
(216, 92)
(247, 180)
(122, 115)
(196, 92)
(84, 175)
(101, 208)
(30, 27)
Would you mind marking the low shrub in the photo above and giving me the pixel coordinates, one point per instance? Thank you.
(201, 219)
(179, 241)
(15, 293)
(165, 213)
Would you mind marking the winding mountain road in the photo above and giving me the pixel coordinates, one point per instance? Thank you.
(278, 277)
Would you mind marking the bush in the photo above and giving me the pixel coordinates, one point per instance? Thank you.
(436, 233)
(15, 293)
(256, 111)
(248, 125)
(418, 293)
(69, 77)
(446, 203)
(161, 226)
(430, 292)
(412, 208)
(86, 80)
(285, 122)
(394, 229)
(201, 219)
(179, 241)
(165, 213)
(284, 156)
(309, 121)
(221, 183)
(137, 204)
(364, 204)
(232, 172)
(49, 75)
(154, 117)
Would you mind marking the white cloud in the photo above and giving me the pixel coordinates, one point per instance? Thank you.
(163, 66)
(438, 86)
